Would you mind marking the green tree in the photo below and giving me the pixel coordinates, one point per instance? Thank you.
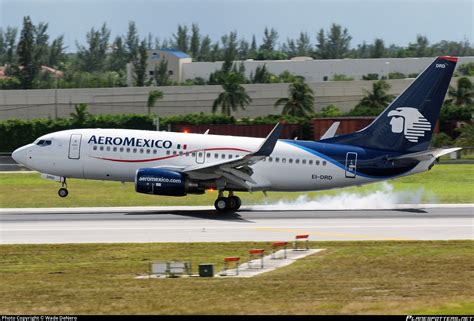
(118, 59)
(378, 98)
(161, 73)
(41, 47)
(205, 51)
(26, 58)
(153, 96)
(270, 38)
(93, 57)
(463, 94)
(181, 38)
(253, 48)
(334, 45)
(466, 138)
(139, 65)
(233, 96)
(195, 41)
(261, 75)
(300, 101)
(57, 56)
(288, 77)
(467, 69)
(132, 42)
(303, 45)
(80, 115)
(378, 49)
(229, 43)
(10, 43)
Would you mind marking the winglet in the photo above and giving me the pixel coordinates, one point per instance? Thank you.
(269, 143)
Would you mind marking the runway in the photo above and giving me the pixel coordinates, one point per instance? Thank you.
(258, 223)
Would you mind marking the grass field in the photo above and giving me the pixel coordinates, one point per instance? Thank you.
(443, 184)
(387, 277)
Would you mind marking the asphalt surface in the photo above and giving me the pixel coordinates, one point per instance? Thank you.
(259, 223)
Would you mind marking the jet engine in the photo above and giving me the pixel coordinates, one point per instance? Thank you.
(164, 182)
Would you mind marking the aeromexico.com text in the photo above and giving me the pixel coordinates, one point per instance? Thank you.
(130, 141)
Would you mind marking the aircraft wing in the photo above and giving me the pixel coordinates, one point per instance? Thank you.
(427, 154)
(236, 170)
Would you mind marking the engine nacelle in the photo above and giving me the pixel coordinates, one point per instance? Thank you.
(163, 182)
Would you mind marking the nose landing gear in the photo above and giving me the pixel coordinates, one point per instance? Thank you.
(63, 192)
(227, 204)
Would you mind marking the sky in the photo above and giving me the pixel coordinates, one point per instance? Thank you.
(395, 21)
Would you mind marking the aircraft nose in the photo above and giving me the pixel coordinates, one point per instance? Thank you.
(20, 155)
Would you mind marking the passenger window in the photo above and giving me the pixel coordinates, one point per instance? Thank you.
(148, 151)
(134, 150)
(101, 147)
(114, 149)
(324, 163)
(310, 162)
(283, 160)
(141, 150)
(303, 161)
(317, 163)
(223, 156)
(194, 154)
(270, 159)
(128, 150)
(297, 161)
(94, 148)
(290, 160)
(200, 154)
(121, 149)
(216, 155)
(155, 151)
(208, 155)
(180, 153)
(174, 152)
(277, 160)
(168, 152)
(229, 156)
(108, 148)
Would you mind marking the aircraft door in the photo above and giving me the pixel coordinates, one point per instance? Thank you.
(200, 156)
(75, 146)
(351, 165)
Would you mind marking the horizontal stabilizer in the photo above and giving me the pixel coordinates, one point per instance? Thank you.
(427, 154)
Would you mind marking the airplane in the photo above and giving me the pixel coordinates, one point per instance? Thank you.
(395, 144)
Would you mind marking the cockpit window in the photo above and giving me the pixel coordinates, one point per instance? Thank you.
(43, 143)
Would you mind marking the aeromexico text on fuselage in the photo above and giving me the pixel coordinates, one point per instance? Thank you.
(131, 141)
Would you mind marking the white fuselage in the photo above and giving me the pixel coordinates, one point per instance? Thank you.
(116, 154)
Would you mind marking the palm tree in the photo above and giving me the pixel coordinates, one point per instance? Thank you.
(300, 100)
(463, 94)
(81, 114)
(153, 96)
(233, 96)
(378, 97)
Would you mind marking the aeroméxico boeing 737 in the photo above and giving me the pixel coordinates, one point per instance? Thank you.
(395, 144)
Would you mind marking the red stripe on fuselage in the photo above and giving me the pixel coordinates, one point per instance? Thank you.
(166, 157)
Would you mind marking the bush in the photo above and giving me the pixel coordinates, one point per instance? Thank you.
(396, 75)
(441, 140)
(453, 112)
(370, 77)
(341, 77)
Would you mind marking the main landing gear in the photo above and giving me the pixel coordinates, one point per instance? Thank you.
(227, 204)
(63, 192)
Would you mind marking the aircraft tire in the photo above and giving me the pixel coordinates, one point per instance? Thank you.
(234, 203)
(222, 204)
(62, 192)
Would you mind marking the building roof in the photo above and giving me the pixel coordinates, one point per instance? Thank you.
(176, 53)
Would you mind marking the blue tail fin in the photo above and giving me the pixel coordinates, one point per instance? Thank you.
(407, 124)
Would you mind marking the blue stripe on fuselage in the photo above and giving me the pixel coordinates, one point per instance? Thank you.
(336, 154)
